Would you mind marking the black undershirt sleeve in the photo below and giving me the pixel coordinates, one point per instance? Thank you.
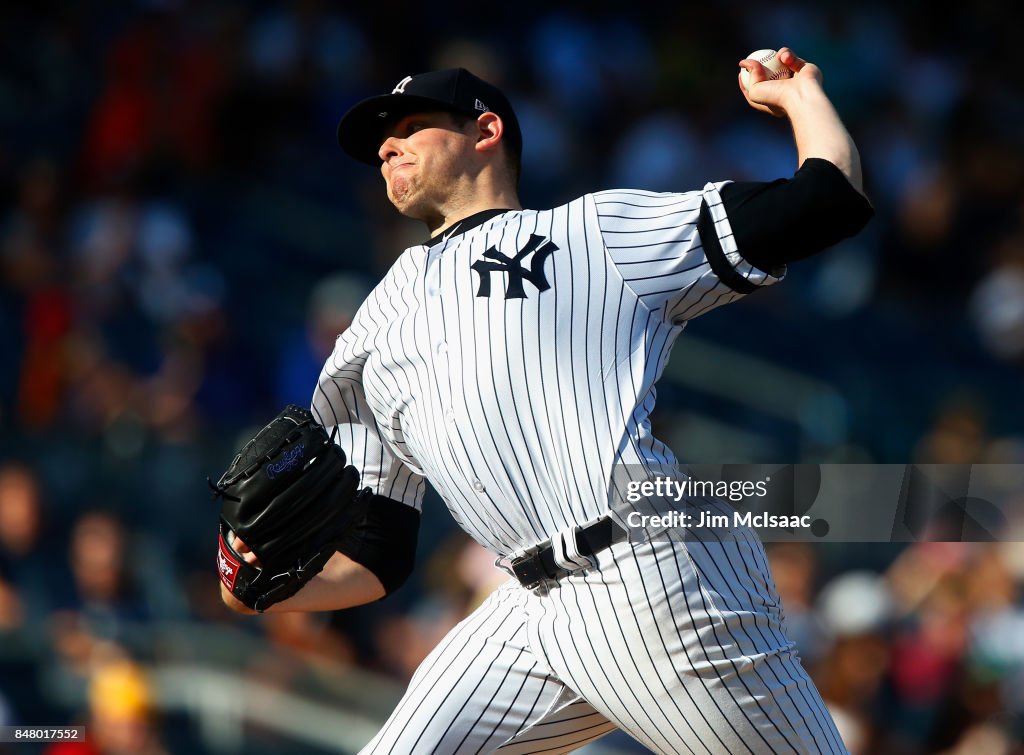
(384, 540)
(789, 219)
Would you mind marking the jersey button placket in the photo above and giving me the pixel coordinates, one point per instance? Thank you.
(438, 343)
(433, 274)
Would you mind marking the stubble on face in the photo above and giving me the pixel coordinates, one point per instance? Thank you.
(402, 186)
(417, 188)
(420, 181)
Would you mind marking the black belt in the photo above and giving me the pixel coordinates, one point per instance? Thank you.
(533, 568)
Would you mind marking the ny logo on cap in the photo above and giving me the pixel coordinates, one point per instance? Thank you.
(400, 89)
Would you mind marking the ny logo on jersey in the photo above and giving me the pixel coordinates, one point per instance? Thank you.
(541, 249)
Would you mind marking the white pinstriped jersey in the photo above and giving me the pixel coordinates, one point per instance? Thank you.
(513, 363)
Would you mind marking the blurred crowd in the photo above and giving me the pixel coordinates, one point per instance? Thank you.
(181, 241)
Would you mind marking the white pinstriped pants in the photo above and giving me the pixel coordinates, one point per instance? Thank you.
(679, 644)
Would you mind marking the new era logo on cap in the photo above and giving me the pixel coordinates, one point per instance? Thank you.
(481, 106)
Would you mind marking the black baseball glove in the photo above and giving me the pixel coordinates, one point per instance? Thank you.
(291, 497)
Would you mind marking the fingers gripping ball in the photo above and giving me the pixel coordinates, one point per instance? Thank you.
(769, 59)
(291, 497)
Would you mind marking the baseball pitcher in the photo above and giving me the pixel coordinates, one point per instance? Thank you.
(510, 360)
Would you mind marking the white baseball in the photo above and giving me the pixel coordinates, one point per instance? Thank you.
(766, 58)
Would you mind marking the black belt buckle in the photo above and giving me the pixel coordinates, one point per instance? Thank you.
(528, 570)
(538, 564)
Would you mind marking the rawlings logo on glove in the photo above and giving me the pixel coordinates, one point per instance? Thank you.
(227, 565)
(287, 463)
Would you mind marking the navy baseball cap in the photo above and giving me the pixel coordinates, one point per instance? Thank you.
(455, 90)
